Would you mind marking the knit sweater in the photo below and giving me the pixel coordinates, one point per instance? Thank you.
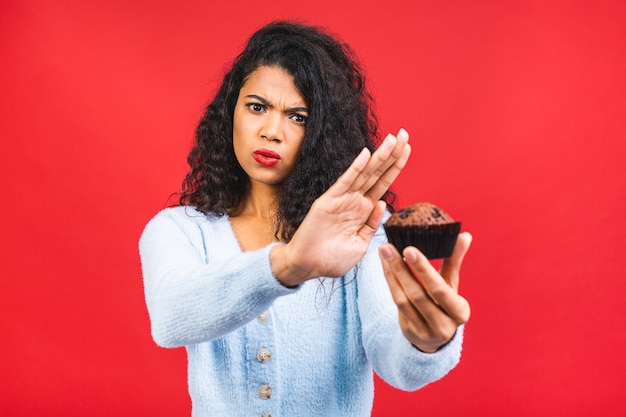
(256, 347)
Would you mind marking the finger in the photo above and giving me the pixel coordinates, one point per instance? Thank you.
(379, 188)
(451, 266)
(374, 166)
(367, 168)
(423, 319)
(345, 182)
(396, 272)
(437, 288)
(383, 159)
(410, 296)
(373, 222)
(414, 327)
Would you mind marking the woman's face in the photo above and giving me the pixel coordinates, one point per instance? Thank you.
(268, 125)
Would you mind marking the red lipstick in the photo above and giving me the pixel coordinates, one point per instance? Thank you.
(266, 157)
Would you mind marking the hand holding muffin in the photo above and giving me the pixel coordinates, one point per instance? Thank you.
(430, 308)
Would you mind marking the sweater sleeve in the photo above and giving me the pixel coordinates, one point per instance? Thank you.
(392, 356)
(194, 294)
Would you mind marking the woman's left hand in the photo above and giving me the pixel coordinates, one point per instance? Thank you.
(337, 230)
(429, 305)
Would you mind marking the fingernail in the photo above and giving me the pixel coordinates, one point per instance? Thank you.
(410, 255)
(385, 252)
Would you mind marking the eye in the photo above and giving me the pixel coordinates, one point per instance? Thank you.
(298, 118)
(256, 107)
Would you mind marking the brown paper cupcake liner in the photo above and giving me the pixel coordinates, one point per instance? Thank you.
(434, 241)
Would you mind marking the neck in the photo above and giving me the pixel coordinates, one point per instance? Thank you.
(260, 202)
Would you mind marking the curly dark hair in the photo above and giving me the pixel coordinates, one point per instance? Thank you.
(341, 122)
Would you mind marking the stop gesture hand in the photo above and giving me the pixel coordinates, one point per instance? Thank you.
(338, 228)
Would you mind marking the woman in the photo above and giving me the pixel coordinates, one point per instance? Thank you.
(274, 272)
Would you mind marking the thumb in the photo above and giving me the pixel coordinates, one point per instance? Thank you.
(451, 266)
(373, 221)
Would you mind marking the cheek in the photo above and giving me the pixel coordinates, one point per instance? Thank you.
(237, 139)
(299, 140)
(240, 130)
(237, 123)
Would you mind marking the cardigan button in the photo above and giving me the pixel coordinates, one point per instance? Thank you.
(265, 391)
(263, 317)
(263, 355)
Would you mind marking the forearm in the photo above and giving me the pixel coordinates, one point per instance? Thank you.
(392, 356)
(191, 304)
(403, 366)
(191, 299)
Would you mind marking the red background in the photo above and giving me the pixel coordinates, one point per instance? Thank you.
(517, 116)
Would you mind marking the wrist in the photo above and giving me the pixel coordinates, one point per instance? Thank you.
(433, 349)
(284, 268)
(428, 350)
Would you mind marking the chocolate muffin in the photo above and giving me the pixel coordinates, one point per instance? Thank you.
(425, 226)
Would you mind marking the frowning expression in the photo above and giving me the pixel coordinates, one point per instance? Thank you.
(268, 125)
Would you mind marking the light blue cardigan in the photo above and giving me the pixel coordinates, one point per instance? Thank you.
(258, 348)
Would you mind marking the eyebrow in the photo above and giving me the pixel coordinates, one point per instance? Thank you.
(268, 104)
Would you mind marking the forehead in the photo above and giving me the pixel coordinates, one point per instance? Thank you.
(272, 83)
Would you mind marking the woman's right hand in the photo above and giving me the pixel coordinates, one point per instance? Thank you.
(340, 224)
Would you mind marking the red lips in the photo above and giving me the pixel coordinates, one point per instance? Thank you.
(266, 157)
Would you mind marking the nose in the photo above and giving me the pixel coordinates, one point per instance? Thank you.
(272, 128)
